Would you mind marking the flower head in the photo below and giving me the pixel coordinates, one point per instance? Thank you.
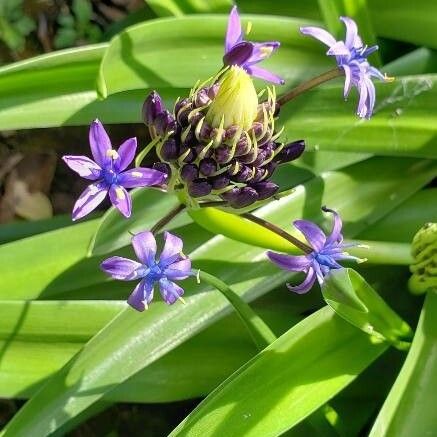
(351, 55)
(327, 251)
(220, 142)
(108, 171)
(247, 54)
(151, 270)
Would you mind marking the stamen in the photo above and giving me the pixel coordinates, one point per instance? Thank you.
(389, 78)
(111, 153)
(182, 300)
(248, 27)
(361, 260)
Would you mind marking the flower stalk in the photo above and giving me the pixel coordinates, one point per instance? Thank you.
(260, 332)
(308, 85)
(167, 218)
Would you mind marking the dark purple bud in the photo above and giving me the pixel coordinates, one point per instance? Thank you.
(257, 128)
(195, 118)
(164, 122)
(243, 147)
(270, 168)
(277, 110)
(248, 158)
(207, 166)
(231, 195)
(202, 98)
(205, 131)
(291, 152)
(230, 132)
(219, 182)
(213, 90)
(259, 175)
(244, 174)
(190, 139)
(187, 154)
(199, 188)
(239, 54)
(164, 168)
(181, 110)
(265, 189)
(246, 197)
(260, 158)
(223, 154)
(152, 107)
(169, 150)
(189, 172)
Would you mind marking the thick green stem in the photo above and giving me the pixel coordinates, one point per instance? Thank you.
(167, 218)
(305, 86)
(260, 332)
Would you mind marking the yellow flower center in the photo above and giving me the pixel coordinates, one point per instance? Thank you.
(236, 103)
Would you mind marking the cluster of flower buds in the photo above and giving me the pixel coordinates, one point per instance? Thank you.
(220, 143)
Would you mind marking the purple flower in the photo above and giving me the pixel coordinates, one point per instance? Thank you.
(108, 171)
(170, 266)
(245, 53)
(351, 56)
(327, 251)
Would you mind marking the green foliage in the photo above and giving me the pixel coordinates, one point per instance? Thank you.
(69, 342)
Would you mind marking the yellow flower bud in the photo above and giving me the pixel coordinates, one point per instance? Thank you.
(236, 103)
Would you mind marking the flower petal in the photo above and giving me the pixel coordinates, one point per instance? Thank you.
(371, 93)
(170, 291)
(121, 199)
(335, 236)
(338, 49)
(123, 269)
(172, 250)
(142, 295)
(352, 40)
(233, 32)
(320, 34)
(261, 73)
(306, 285)
(141, 177)
(89, 200)
(100, 143)
(262, 50)
(362, 109)
(347, 80)
(289, 262)
(126, 154)
(144, 245)
(313, 234)
(179, 270)
(83, 166)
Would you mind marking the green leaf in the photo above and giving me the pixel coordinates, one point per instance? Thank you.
(114, 231)
(101, 365)
(169, 8)
(419, 61)
(353, 299)
(133, 59)
(404, 221)
(287, 381)
(410, 406)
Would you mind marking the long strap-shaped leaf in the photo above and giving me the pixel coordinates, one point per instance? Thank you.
(132, 341)
(287, 381)
(409, 409)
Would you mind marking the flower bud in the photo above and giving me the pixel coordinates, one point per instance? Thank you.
(152, 106)
(199, 188)
(164, 168)
(189, 172)
(424, 251)
(291, 151)
(221, 181)
(265, 189)
(164, 122)
(236, 102)
(207, 166)
(241, 198)
(169, 150)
